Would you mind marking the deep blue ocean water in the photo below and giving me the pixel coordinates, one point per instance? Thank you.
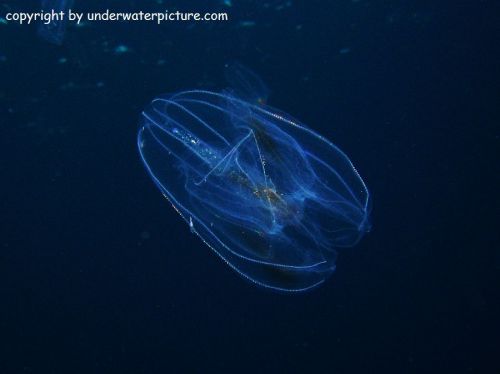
(98, 274)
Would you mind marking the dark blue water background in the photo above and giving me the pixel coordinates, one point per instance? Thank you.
(99, 275)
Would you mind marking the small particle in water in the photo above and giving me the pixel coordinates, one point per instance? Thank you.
(279, 7)
(82, 24)
(68, 86)
(227, 3)
(121, 49)
(344, 51)
(246, 24)
(145, 235)
(62, 60)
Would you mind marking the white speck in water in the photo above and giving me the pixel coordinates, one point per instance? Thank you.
(121, 49)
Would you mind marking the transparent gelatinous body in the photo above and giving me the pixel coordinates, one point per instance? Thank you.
(271, 197)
